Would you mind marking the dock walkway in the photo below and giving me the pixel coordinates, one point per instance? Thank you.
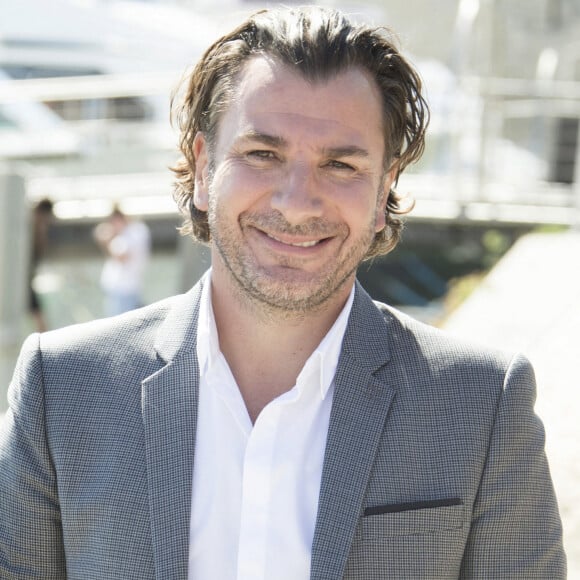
(530, 302)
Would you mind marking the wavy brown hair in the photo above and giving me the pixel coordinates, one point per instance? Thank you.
(318, 43)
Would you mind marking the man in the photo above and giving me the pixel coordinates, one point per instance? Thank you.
(274, 423)
(127, 245)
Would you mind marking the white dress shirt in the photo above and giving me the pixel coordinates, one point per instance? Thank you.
(256, 487)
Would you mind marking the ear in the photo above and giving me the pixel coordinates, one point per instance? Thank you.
(388, 181)
(201, 192)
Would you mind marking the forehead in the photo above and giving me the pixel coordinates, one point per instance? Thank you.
(269, 95)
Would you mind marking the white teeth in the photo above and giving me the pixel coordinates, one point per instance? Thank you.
(297, 244)
(306, 244)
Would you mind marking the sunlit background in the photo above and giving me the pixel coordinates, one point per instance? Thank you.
(491, 250)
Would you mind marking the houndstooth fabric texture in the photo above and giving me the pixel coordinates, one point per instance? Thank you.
(434, 466)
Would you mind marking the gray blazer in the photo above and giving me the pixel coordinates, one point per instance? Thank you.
(434, 464)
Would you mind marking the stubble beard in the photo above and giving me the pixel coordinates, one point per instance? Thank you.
(282, 296)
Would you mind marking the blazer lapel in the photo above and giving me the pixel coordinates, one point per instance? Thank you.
(359, 411)
(169, 406)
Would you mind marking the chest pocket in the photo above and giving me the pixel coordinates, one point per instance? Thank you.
(411, 522)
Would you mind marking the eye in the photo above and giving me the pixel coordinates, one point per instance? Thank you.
(262, 154)
(340, 165)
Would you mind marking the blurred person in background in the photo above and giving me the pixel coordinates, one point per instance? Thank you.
(274, 422)
(127, 245)
(42, 216)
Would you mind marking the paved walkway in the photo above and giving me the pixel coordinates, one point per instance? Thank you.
(531, 302)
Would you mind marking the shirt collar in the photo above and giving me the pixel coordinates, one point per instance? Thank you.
(320, 366)
(208, 348)
(324, 360)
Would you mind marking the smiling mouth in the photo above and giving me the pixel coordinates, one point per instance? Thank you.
(307, 244)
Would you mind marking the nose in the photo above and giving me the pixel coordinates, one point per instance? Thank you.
(297, 197)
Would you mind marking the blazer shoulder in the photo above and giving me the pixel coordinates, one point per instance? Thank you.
(132, 331)
(431, 338)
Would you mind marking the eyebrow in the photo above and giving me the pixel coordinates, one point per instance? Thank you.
(348, 151)
(280, 142)
(271, 140)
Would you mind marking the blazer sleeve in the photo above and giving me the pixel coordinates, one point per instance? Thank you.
(31, 539)
(516, 530)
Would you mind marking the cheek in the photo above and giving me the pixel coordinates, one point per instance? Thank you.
(358, 206)
(241, 188)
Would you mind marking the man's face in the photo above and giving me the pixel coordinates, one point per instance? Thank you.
(297, 188)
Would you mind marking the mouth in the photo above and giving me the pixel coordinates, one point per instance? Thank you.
(296, 244)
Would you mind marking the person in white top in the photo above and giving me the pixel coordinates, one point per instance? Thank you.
(127, 245)
(274, 423)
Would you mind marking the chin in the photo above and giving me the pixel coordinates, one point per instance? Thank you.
(292, 293)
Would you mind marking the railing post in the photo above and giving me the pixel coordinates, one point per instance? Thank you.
(14, 263)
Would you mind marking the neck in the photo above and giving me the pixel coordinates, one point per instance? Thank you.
(266, 349)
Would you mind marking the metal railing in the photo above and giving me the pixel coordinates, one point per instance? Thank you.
(454, 193)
